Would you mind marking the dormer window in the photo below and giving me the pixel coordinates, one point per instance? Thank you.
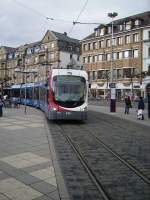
(128, 25)
(29, 51)
(137, 22)
(109, 29)
(120, 27)
(102, 31)
(96, 32)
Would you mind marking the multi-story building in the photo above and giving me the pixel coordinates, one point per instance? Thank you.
(146, 60)
(33, 61)
(122, 56)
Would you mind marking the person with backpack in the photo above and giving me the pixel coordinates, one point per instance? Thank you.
(141, 107)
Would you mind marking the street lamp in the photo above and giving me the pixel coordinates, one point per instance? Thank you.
(112, 85)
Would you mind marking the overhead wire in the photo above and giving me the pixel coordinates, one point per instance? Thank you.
(39, 13)
(81, 11)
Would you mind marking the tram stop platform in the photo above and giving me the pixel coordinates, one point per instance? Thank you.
(28, 164)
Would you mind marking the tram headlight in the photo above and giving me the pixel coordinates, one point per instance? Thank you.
(53, 109)
(85, 108)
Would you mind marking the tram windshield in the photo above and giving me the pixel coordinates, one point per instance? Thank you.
(69, 91)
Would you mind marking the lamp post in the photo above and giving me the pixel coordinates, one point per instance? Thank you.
(112, 85)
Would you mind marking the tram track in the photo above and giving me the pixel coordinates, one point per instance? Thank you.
(81, 155)
(87, 168)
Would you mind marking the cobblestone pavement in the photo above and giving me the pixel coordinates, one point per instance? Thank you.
(127, 138)
(26, 167)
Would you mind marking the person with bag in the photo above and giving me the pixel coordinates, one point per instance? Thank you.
(1, 107)
(127, 105)
(141, 107)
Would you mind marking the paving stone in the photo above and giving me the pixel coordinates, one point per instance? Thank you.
(24, 193)
(54, 195)
(43, 197)
(37, 167)
(43, 187)
(44, 173)
(28, 179)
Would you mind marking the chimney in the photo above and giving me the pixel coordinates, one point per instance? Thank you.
(65, 33)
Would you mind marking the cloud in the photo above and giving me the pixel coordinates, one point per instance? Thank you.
(25, 21)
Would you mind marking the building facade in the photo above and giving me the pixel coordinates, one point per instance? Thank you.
(122, 56)
(33, 61)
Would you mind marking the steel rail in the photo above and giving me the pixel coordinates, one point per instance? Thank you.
(87, 168)
(130, 166)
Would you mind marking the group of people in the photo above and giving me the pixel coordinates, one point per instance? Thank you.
(140, 107)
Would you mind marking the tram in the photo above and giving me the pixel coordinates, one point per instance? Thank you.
(64, 95)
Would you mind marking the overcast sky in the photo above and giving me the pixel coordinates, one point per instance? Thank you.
(24, 21)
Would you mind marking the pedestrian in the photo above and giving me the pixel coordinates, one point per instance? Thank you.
(1, 106)
(141, 107)
(127, 105)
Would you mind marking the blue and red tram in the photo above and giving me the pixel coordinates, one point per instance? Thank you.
(64, 95)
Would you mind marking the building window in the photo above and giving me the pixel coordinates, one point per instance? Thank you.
(102, 31)
(94, 45)
(51, 56)
(127, 39)
(93, 75)
(90, 46)
(119, 55)
(135, 37)
(137, 22)
(96, 32)
(114, 55)
(101, 44)
(95, 58)
(108, 43)
(91, 59)
(52, 45)
(135, 53)
(148, 52)
(126, 54)
(85, 59)
(100, 74)
(100, 57)
(119, 73)
(85, 47)
(120, 27)
(128, 25)
(108, 56)
(114, 42)
(127, 72)
(119, 40)
(148, 34)
(109, 29)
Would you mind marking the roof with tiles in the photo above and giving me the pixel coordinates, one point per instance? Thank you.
(64, 37)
